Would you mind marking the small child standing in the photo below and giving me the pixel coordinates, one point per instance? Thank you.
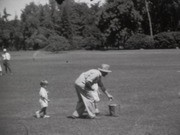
(95, 93)
(43, 100)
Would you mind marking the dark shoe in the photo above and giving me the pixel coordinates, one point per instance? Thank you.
(97, 113)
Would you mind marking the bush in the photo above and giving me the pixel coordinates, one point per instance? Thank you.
(57, 43)
(92, 43)
(78, 42)
(167, 40)
(40, 41)
(139, 41)
(177, 38)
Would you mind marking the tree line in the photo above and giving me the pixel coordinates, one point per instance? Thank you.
(118, 24)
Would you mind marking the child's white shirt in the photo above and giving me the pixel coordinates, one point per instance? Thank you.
(43, 95)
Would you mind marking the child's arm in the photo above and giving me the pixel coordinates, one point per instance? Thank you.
(45, 99)
(44, 95)
(48, 100)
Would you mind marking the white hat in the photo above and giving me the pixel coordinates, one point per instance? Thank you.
(4, 50)
(105, 68)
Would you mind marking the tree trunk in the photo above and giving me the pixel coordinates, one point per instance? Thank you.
(149, 18)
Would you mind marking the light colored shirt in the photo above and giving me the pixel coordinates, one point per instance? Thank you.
(6, 56)
(93, 76)
(43, 97)
(43, 93)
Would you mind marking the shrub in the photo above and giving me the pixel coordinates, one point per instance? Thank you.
(78, 42)
(167, 40)
(57, 43)
(40, 41)
(139, 41)
(177, 38)
(91, 43)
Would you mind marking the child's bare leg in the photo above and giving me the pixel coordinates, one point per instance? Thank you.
(43, 111)
(96, 108)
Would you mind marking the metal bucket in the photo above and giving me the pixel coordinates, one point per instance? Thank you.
(112, 109)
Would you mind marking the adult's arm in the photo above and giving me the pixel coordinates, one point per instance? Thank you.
(101, 85)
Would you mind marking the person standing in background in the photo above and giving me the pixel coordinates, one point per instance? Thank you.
(6, 58)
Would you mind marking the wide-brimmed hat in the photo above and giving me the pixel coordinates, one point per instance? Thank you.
(44, 82)
(105, 68)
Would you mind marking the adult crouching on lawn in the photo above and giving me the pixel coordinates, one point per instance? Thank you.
(83, 86)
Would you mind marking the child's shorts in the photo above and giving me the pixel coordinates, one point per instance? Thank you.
(43, 103)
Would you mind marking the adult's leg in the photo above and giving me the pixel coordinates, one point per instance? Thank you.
(80, 107)
(89, 105)
(86, 101)
(8, 66)
(5, 66)
(96, 107)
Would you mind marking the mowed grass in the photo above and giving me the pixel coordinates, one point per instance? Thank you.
(144, 83)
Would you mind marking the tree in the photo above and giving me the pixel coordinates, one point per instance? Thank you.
(66, 28)
(118, 20)
(149, 18)
(78, 17)
(60, 1)
(37, 21)
(6, 29)
(165, 15)
(6, 15)
(65, 22)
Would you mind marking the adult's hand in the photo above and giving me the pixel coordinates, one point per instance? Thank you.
(110, 97)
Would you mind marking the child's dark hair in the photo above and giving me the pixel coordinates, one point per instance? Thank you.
(44, 82)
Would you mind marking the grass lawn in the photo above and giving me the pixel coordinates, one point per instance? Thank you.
(144, 83)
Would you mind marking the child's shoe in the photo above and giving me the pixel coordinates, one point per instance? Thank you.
(46, 116)
(37, 114)
(97, 111)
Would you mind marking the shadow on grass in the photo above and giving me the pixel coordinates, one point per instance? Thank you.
(99, 116)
